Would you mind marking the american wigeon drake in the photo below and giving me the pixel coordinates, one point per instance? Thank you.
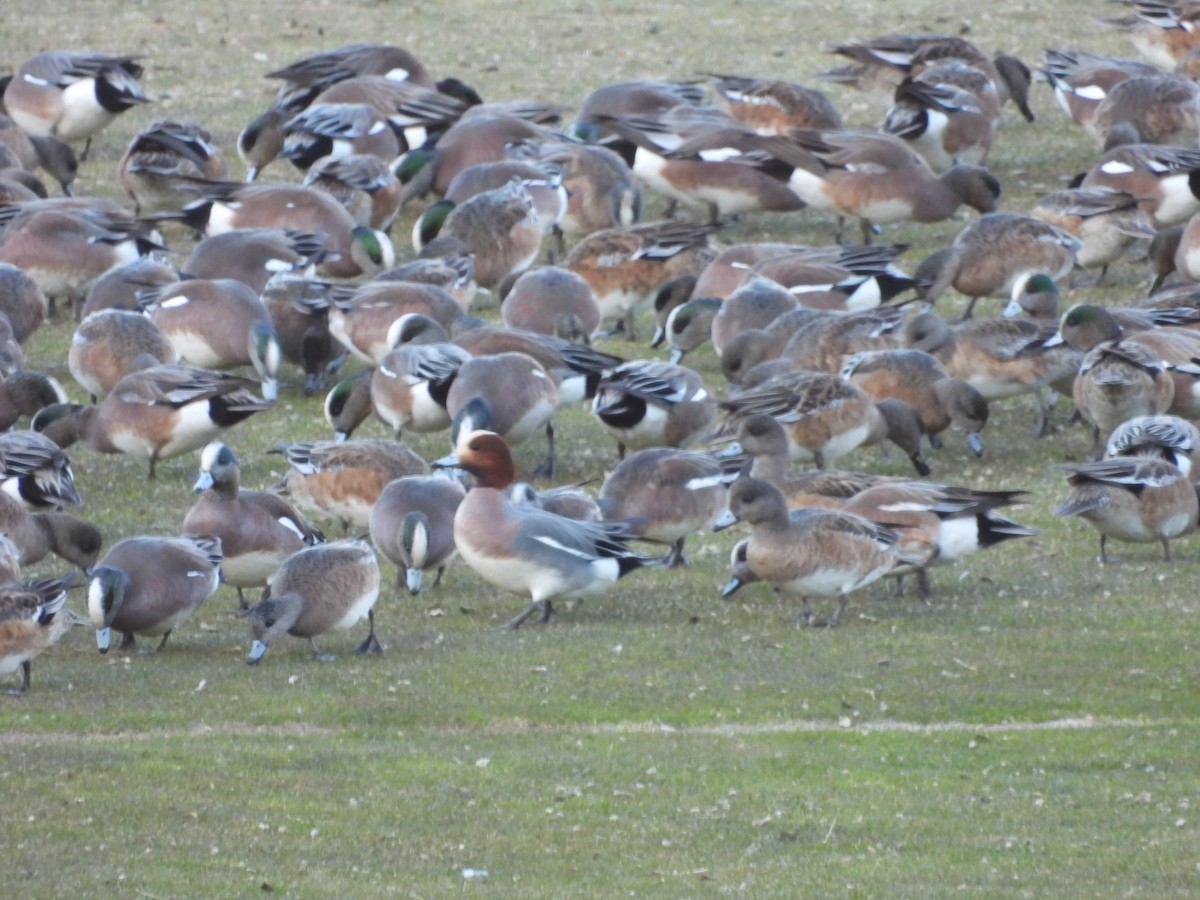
(254, 256)
(1166, 180)
(343, 479)
(364, 185)
(754, 305)
(811, 552)
(700, 160)
(258, 530)
(339, 130)
(1137, 500)
(601, 191)
(991, 254)
(110, 344)
(1163, 32)
(763, 440)
(945, 124)
(526, 550)
(157, 413)
(412, 525)
(217, 324)
(670, 493)
(687, 326)
(33, 616)
(882, 62)
(22, 301)
(261, 141)
(920, 380)
(48, 153)
(645, 404)
(627, 266)
(733, 266)
(501, 229)
(878, 179)
(63, 248)
(165, 155)
(302, 327)
(36, 535)
(324, 588)
(150, 586)
(406, 391)
(1106, 223)
(71, 95)
(118, 287)
(307, 77)
(771, 106)
(1149, 109)
(1038, 297)
(939, 524)
(353, 249)
(552, 300)
(1169, 438)
(1000, 358)
(826, 416)
(1081, 80)
(508, 393)
(372, 319)
(857, 278)
(35, 471)
(740, 573)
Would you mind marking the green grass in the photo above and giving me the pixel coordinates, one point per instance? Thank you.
(1032, 731)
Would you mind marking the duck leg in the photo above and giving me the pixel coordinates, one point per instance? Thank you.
(127, 641)
(161, 643)
(1166, 549)
(543, 606)
(675, 559)
(317, 654)
(26, 668)
(242, 604)
(437, 579)
(546, 469)
(371, 645)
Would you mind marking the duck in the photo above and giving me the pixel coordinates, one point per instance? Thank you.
(945, 124)
(827, 416)
(217, 324)
(754, 305)
(35, 535)
(602, 193)
(454, 272)
(878, 179)
(25, 393)
(627, 266)
(1159, 109)
(632, 98)
(1081, 80)
(747, 350)
(569, 500)
(740, 573)
(372, 319)
(22, 301)
(412, 525)
(1164, 437)
(1131, 499)
(340, 130)
(73, 95)
(312, 74)
(671, 493)
(229, 206)
(541, 181)
(299, 310)
(254, 256)
(323, 588)
(149, 585)
(158, 413)
(410, 387)
(1161, 32)
(33, 617)
(363, 184)
(343, 479)
(999, 358)
(508, 393)
(526, 550)
(118, 287)
(1161, 177)
(111, 343)
(162, 159)
(687, 326)
(773, 106)
(825, 342)
(1105, 222)
(817, 552)
(36, 472)
(552, 300)
(45, 152)
(258, 530)
(919, 379)
(988, 257)
(645, 404)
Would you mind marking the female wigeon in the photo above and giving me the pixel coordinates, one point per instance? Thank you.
(319, 71)
(671, 493)
(343, 479)
(508, 393)
(150, 586)
(1138, 500)
(754, 305)
(817, 552)
(771, 106)
(217, 324)
(1081, 80)
(158, 413)
(1161, 32)
(118, 287)
(552, 300)
(33, 616)
(412, 524)
(258, 530)
(35, 535)
(1106, 223)
(370, 321)
(45, 152)
(328, 587)
(601, 191)
(162, 159)
(646, 404)
(22, 301)
(254, 256)
(526, 550)
(73, 95)
(110, 344)
(1149, 109)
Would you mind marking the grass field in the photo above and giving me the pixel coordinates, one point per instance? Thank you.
(1033, 731)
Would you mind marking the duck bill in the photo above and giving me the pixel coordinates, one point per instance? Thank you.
(412, 578)
(975, 443)
(103, 639)
(731, 587)
(725, 520)
(203, 483)
(257, 651)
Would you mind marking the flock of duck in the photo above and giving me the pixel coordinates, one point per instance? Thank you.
(823, 347)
